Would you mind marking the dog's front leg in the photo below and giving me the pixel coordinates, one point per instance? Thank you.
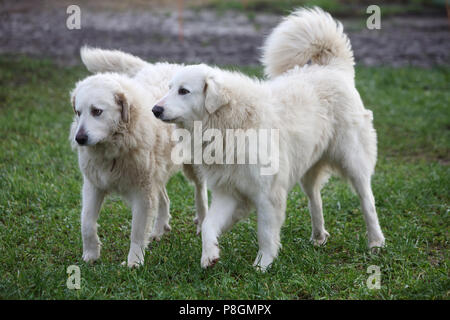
(193, 173)
(144, 209)
(92, 202)
(218, 219)
(271, 212)
(201, 204)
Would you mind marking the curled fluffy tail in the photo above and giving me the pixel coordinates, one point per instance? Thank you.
(307, 35)
(99, 60)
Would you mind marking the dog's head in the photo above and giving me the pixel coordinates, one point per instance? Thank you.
(101, 107)
(194, 92)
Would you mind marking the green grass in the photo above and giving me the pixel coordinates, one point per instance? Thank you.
(40, 207)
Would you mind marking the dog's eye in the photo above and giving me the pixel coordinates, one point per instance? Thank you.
(183, 91)
(96, 112)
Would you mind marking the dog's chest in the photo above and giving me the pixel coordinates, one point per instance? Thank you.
(108, 174)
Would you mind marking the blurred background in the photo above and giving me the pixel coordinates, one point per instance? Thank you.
(414, 32)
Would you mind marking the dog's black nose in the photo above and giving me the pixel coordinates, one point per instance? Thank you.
(157, 111)
(81, 138)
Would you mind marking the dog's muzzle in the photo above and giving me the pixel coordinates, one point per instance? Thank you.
(158, 111)
(81, 137)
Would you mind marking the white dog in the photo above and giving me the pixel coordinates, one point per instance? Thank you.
(123, 148)
(323, 128)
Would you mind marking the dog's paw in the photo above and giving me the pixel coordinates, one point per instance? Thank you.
(133, 264)
(91, 256)
(198, 222)
(159, 231)
(135, 256)
(376, 244)
(319, 239)
(209, 262)
(259, 267)
(263, 261)
(210, 257)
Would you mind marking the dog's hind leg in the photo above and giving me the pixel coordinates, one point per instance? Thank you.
(162, 220)
(311, 184)
(358, 168)
(92, 202)
(144, 208)
(363, 188)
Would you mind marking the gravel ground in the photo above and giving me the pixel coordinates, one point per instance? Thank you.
(229, 38)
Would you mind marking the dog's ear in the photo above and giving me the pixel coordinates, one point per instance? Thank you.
(122, 101)
(73, 103)
(214, 95)
(72, 100)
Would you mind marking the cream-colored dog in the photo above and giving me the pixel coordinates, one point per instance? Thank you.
(323, 128)
(123, 148)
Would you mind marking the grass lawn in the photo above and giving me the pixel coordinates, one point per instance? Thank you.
(40, 207)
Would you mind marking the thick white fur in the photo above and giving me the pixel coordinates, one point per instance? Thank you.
(128, 149)
(307, 35)
(99, 60)
(324, 128)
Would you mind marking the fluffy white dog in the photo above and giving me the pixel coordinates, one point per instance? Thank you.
(123, 148)
(323, 129)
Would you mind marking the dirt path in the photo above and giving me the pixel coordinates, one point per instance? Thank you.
(230, 38)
